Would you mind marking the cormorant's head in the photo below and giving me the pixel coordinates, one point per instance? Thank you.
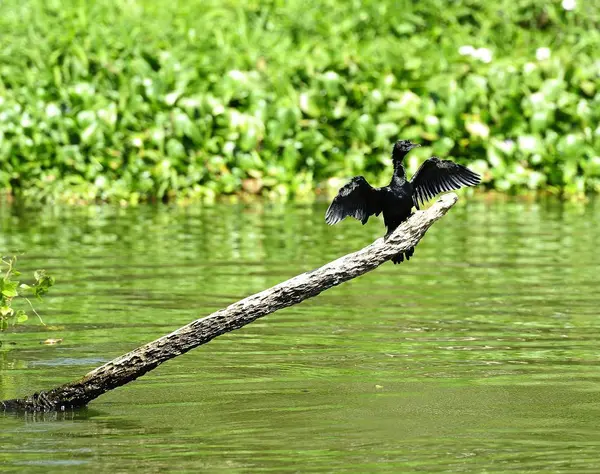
(401, 148)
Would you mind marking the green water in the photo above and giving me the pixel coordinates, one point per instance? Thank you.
(482, 354)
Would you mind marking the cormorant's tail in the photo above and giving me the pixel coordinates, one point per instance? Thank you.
(399, 258)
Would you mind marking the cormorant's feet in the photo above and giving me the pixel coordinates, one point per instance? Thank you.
(399, 258)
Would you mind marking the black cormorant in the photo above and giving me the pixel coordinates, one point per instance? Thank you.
(360, 200)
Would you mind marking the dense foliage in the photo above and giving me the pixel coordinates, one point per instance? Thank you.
(145, 99)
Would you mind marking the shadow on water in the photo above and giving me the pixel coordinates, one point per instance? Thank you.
(69, 415)
(481, 353)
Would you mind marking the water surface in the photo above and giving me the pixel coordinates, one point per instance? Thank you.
(481, 354)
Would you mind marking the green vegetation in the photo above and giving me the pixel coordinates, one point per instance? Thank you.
(144, 99)
(13, 290)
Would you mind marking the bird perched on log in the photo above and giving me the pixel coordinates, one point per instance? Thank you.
(396, 200)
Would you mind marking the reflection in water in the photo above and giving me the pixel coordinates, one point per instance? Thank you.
(479, 354)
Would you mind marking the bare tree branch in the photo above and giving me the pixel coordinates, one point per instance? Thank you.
(136, 363)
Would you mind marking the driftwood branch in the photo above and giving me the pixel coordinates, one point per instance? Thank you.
(136, 363)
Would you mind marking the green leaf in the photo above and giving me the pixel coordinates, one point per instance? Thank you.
(43, 285)
(21, 316)
(39, 274)
(10, 288)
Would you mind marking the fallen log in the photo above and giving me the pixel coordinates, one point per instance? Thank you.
(139, 361)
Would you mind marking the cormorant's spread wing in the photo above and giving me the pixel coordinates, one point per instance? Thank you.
(437, 176)
(357, 199)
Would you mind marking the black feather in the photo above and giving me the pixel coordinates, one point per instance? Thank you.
(436, 176)
(357, 199)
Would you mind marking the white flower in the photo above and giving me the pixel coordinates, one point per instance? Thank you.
(331, 76)
(83, 89)
(478, 129)
(541, 54)
(507, 146)
(431, 121)
(228, 148)
(137, 142)
(108, 115)
(389, 80)
(237, 75)
(52, 110)
(409, 99)
(86, 117)
(376, 95)
(483, 54)
(304, 101)
(569, 4)
(527, 143)
(238, 119)
(26, 121)
(190, 103)
(172, 97)
(100, 181)
(537, 98)
(158, 135)
(218, 109)
(528, 68)
(466, 50)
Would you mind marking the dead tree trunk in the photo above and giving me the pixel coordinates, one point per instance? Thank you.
(136, 363)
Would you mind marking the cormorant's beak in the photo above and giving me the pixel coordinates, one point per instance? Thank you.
(415, 145)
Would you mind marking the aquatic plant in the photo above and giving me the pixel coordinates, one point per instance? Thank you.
(142, 100)
(13, 291)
